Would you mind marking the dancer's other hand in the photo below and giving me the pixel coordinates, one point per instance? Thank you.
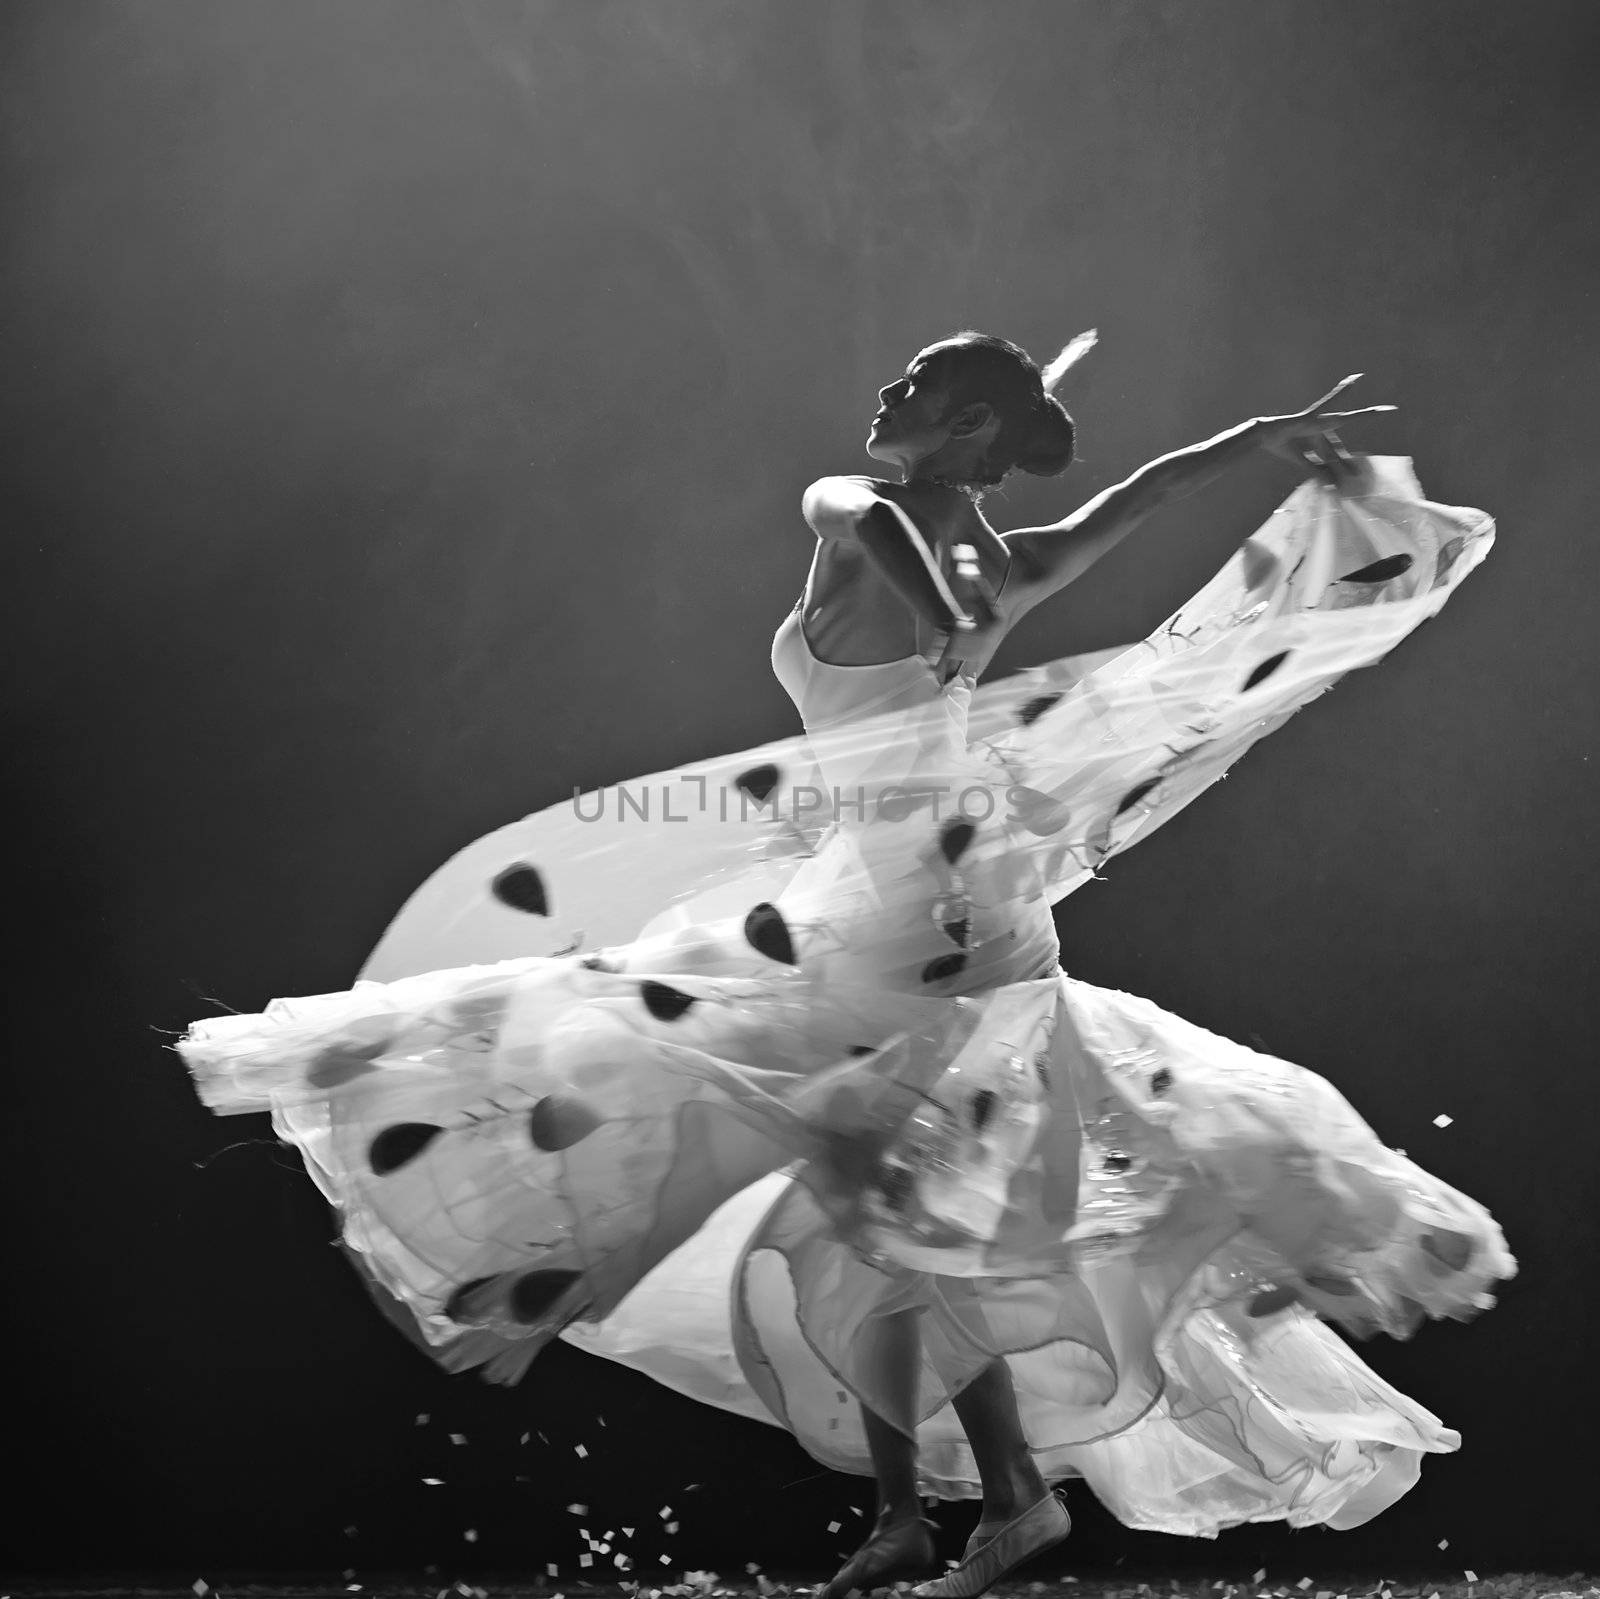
(1305, 438)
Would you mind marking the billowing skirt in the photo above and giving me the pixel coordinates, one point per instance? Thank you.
(708, 1072)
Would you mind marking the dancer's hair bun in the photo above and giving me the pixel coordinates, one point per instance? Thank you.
(1050, 446)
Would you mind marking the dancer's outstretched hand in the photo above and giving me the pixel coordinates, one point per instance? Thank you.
(1306, 438)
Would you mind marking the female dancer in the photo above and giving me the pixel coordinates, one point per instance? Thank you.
(979, 1225)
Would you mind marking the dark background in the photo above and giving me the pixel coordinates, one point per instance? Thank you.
(406, 411)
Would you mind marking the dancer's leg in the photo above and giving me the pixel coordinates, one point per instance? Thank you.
(987, 1407)
(900, 1544)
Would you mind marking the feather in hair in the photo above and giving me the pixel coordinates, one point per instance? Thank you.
(1069, 358)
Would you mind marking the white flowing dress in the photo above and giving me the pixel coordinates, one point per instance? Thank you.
(704, 1072)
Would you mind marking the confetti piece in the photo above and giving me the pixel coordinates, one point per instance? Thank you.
(1443, 1121)
(856, 1510)
(579, 1510)
(751, 1567)
(1471, 1576)
(664, 1512)
(201, 1586)
(666, 1560)
(627, 1532)
(457, 1438)
(422, 1420)
(523, 1439)
(471, 1535)
(434, 1482)
(672, 1526)
(1444, 1543)
(834, 1526)
(580, 1451)
(1304, 1582)
(1260, 1576)
(551, 1569)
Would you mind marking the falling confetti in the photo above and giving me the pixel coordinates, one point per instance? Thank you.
(1444, 1543)
(579, 1510)
(422, 1420)
(434, 1482)
(1471, 1576)
(201, 1585)
(834, 1526)
(471, 1535)
(1443, 1121)
(457, 1438)
(580, 1451)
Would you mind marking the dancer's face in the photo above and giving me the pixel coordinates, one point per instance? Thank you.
(909, 427)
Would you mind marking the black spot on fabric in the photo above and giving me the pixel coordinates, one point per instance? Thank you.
(594, 963)
(863, 1049)
(1327, 1283)
(1134, 795)
(665, 1002)
(1390, 566)
(1450, 1249)
(397, 1146)
(1042, 1067)
(954, 837)
(943, 966)
(758, 781)
(558, 1121)
(1271, 1301)
(958, 931)
(896, 1185)
(522, 888)
(983, 1107)
(765, 930)
(1117, 1162)
(455, 1307)
(1160, 1080)
(338, 1064)
(1265, 669)
(534, 1292)
(1030, 711)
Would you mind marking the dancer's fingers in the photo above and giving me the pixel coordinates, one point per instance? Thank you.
(1332, 394)
(1344, 416)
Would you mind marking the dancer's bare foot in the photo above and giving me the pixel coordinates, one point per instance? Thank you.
(899, 1547)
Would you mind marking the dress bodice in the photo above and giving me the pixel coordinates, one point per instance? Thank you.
(826, 695)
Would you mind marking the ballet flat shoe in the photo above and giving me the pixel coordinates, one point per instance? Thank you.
(1038, 1528)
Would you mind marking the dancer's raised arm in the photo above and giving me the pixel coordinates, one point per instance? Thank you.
(1047, 559)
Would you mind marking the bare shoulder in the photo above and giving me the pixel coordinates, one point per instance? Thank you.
(831, 504)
